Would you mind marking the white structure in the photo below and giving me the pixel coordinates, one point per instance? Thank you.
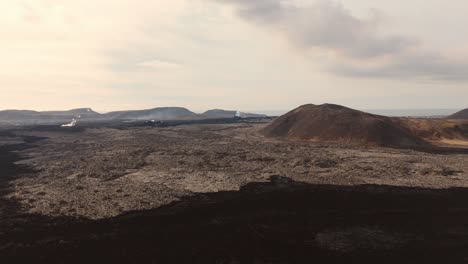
(71, 124)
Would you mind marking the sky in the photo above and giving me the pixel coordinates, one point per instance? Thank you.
(233, 54)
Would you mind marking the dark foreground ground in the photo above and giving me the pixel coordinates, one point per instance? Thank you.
(277, 222)
(281, 220)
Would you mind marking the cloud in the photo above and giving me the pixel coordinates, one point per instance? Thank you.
(354, 46)
(325, 24)
(430, 66)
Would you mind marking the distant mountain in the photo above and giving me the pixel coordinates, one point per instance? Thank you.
(26, 117)
(160, 113)
(78, 111)
(46, 117)
(220, 113)
(7, 115)
(335, 123)
(463, 114)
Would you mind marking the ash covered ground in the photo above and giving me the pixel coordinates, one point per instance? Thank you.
(222, 193)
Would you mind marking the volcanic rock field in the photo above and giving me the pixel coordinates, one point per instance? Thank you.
(225, 193)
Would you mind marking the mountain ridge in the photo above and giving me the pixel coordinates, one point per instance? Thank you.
(158, 113)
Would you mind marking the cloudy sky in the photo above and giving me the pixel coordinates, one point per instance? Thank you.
(236, 54)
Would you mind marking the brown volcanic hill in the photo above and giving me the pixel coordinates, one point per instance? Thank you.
(463, 114)
(438, 131)
(337, 123)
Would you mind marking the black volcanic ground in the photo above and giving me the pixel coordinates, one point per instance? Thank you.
(281, 221)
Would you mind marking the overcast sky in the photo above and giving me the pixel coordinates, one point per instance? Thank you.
(233, 54)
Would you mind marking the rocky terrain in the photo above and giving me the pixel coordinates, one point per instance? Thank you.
(438, 131)
(224, 193)
(103, 172)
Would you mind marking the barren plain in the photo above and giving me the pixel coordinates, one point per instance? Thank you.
(223, 193)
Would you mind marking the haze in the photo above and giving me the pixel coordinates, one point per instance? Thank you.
(234, 54)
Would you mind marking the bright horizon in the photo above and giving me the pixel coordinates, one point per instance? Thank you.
(265, 55)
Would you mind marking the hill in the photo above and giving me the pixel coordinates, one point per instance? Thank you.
(78, 111)
(220, 113)
(160, 113)
(27, 117)
(46, 117)
(335, 123)
(438, 131)
(463, 114)
(8, 115)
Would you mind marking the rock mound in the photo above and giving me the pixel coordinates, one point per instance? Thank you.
(335, 123)
(463, 114)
